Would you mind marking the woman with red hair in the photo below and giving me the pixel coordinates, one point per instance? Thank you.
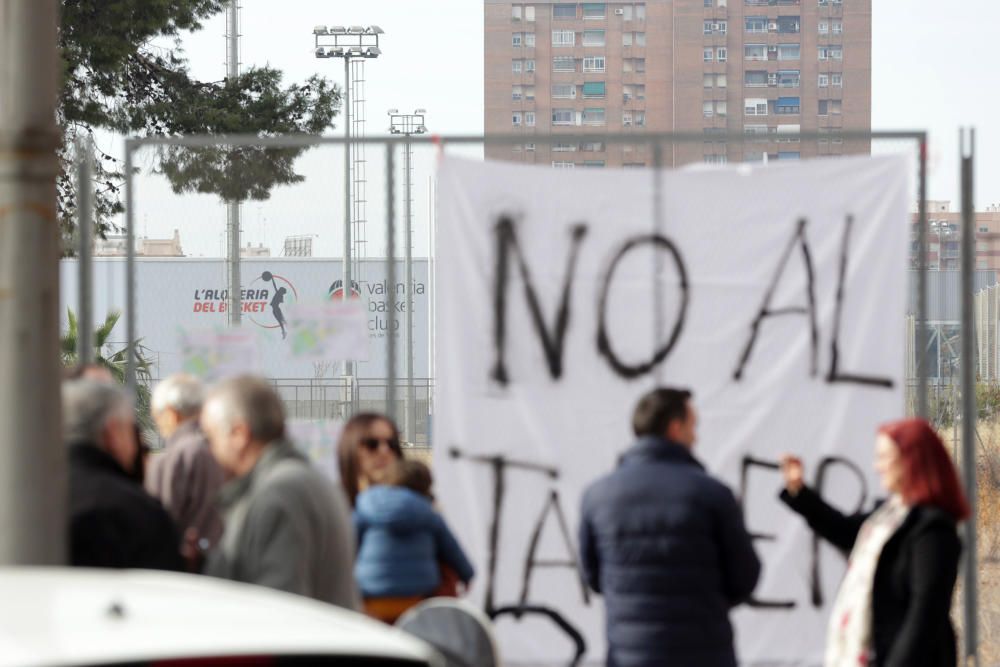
(892, 609)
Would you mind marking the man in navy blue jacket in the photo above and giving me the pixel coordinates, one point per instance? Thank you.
(666, 546)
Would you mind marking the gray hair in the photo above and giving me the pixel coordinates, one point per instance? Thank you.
(252, 401)
(180, 392)
(88, 405)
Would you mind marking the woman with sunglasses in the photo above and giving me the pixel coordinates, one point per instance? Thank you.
(893, 606)
(368, 448)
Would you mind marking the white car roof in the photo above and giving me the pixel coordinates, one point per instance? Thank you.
(75, 616)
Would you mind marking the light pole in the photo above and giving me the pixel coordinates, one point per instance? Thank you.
(408, 125)
(354, 42)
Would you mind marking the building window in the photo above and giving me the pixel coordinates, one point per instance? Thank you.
(824, 27)
(755, 51)
(789, 51)
(755, 24)
(712, 27)
(562, 116)
(592, 146)
(707, 27)
(515, 39)
(787, 105)
(707, 108)
(529, 118)
(563, 165)
(788, 134)
(788, 155)
(517, 93)
(516, 119)
(593, 116)
(721, 54)
(529, 65)
(788, 25)
(594, 10)
(564, 12)
(563, 148)
(529, 13)
(563, 38)
(594, 64)
(634, 65)
(563, 64)
(708, 81)
(563, 91)
(594, 90)
(755, 106)
(831, 53)
(529, 40)
(516, 148)
(708, 54)
(640, 12)
(640, 118)
(830, 107)
(633, 38)
(837, 27)
(788, 78)
(516, 66)
(515, 12)
(632, 91)
(529, 147)
(627, 118)
(593, 38)
(755, 78)
(837, 80)
(593, 163)
(824, 80)
(708, 3)
(529, 92)
(714, 159)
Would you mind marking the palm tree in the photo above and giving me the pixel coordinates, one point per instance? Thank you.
(115, 362)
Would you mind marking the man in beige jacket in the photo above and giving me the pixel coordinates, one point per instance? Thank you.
(185, 477)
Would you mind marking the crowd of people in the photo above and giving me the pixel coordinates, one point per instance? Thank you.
(661, 539)
(230, 496)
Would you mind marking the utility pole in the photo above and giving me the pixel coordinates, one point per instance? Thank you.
(32, 455)
(408, 125)
(233, 207)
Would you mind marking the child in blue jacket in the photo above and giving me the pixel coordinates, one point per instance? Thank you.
(402, 541)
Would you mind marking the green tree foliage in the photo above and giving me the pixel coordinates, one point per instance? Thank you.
(116, 78)
(116, 361)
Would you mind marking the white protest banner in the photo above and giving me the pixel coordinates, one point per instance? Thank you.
(330, 330)
(215, 354)
(775, 293)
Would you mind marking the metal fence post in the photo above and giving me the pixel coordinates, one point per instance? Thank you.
(390, 230)
(85, 230)
(971, 583)
(921, 325)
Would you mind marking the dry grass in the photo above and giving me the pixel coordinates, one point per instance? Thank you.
(988, 537)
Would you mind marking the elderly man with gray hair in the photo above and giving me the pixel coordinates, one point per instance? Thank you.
(113, 522)
(287, 525)
(185, 477)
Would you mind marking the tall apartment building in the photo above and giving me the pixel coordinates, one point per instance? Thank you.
(763, 68)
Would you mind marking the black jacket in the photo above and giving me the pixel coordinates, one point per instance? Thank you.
(113, 522)
(665, 544)
(914, 580)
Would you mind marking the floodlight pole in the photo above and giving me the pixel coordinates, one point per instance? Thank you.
(233, 207)
(344, 46)
(407, 125)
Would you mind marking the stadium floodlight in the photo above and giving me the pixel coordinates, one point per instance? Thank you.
(375, 30)
(321, 52)
(373, 52)
(338, 30)
(356, 30)
(336, 52)
(321, 30)
(420, 111)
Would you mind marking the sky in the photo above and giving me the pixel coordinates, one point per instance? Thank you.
(931, 70)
